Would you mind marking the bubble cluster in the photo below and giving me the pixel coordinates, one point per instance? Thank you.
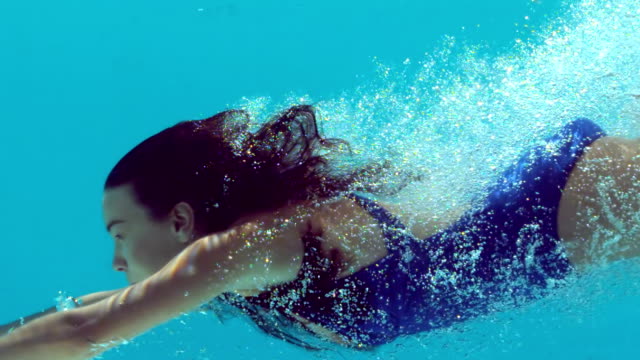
(461, 115)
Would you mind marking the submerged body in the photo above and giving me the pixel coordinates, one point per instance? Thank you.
(504, 254)
(279, 235)
(508, 252)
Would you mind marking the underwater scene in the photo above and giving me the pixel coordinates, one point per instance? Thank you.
(451, 93)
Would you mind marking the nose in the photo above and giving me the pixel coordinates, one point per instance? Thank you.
(119, 264)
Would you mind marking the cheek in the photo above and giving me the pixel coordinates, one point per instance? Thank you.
(136, 252)
(149, 253)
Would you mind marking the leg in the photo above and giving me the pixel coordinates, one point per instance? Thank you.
(599, 217)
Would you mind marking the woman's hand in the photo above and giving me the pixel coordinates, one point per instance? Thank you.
(48, 334)
(81, 301)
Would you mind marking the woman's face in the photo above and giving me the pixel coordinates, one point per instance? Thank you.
(144, 245)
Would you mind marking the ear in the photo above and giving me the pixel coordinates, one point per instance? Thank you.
(182, 218)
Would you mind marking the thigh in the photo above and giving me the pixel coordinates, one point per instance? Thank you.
(598, 212)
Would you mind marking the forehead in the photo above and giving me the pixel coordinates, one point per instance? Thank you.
(120, 203)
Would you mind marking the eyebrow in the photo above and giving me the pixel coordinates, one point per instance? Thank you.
(114, 222)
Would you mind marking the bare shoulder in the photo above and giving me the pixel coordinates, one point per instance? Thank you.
(347, 227)
(421, 223)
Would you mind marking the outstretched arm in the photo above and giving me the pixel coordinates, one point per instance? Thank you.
(81, 301)
(262, 252)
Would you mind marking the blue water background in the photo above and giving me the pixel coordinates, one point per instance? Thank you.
(82, 82)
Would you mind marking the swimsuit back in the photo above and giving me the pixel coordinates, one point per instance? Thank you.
(504, 253)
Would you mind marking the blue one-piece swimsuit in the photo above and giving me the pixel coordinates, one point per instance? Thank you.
(506, 253)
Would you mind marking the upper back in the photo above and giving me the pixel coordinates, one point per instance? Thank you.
(349, 228)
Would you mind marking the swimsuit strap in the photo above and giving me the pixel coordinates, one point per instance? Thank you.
(317, 272)
(307, 294)
(315, 275)
(392, 227)
(320, 268)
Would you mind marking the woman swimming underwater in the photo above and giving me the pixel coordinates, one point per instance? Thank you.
(260, 221)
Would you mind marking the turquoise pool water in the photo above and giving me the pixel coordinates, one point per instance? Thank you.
(446, 89)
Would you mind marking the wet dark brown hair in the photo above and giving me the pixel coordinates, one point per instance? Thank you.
(226, 172)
